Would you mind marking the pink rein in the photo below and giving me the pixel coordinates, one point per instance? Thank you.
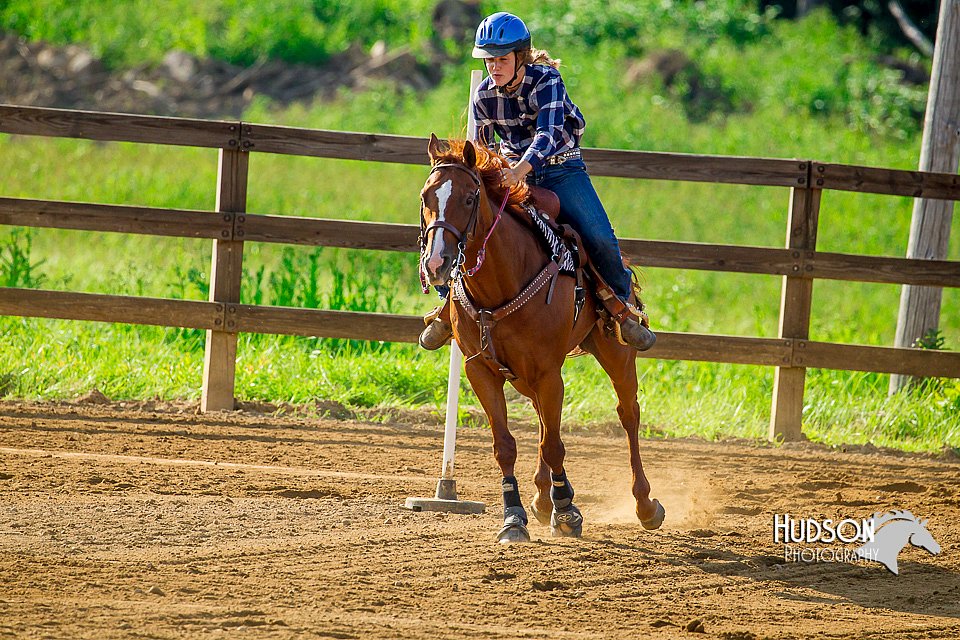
(483, 248)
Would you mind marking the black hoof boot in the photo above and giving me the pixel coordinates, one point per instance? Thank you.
(567, 523)
(514, 526)
(656, 520)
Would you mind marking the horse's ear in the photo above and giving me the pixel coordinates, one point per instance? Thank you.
(433, 148)
(469, 154)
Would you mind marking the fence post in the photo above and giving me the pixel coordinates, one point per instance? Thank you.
(220, 352)
(796, 295)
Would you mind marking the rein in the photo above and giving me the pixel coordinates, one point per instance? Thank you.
(461, 237)
(483, 248)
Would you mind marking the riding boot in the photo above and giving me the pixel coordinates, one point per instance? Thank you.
(635, 327)
(636, 335)
(438, 330)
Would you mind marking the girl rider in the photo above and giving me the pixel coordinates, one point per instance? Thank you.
(524, 102)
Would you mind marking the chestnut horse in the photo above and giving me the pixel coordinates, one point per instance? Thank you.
(460, 204)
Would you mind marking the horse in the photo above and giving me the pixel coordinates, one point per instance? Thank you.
(461, 226)
(901, 527)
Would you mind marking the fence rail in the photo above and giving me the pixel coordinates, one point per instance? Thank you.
(230, 226)
(383, 236)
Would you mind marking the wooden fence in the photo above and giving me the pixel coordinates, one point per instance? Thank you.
(223, 317)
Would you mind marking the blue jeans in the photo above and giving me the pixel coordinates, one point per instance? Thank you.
(580, 207)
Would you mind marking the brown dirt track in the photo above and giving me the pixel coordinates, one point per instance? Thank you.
(154, 523)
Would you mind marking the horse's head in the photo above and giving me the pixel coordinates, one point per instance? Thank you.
(450, 205)
(922, 538)
(892, 532)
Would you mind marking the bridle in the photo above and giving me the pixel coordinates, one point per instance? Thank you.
(461, 236)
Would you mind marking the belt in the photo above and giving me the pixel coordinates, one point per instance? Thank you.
(560, 158)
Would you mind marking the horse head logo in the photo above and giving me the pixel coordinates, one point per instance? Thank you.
(899, 528)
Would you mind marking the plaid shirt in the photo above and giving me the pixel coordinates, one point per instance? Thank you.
(534, 122)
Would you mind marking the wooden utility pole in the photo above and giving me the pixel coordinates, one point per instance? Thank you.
(930, 226)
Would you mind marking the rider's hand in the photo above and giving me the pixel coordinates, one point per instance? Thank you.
(509, 176)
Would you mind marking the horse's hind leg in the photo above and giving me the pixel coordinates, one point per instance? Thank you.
(619, 362)
(541, 506)
(489, 389)
(565, 519)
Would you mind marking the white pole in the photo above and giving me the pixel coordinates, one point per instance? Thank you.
(456, 356)
(453, 393)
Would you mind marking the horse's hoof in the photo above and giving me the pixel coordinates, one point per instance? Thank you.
(543, 517)
(514, 526)
(656, 520)
(567, 523)
(512, 533)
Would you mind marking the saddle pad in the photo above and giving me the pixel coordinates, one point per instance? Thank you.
(558, 249)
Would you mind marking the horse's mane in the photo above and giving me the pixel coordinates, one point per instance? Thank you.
(489, 164)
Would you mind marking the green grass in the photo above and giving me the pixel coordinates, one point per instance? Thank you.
(803, 114)
(134, 32)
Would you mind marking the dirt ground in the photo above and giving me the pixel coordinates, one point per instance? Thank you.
(141, 522)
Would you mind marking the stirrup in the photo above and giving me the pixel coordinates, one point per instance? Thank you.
(641, 317)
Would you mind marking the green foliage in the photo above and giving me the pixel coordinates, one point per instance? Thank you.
(131, 32)
(638, 26)
(746, 59)
(17, 267)
(933, 339)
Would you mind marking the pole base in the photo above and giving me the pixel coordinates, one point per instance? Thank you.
(445, 500)
(448, 506)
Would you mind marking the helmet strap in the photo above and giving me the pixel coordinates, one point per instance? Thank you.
(516, 70)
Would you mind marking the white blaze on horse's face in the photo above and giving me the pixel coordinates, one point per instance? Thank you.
(435, 259)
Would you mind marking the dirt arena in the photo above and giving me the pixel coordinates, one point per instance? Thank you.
(142, 522)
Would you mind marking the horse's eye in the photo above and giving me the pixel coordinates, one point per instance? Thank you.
(469, 200)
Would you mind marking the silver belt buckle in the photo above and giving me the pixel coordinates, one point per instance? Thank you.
(560, 158)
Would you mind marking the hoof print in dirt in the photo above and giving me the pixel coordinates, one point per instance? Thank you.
(695, 626)
(548, 585)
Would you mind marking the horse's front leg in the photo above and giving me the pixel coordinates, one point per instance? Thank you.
(565, 519)
(488, 386)
(541, 505)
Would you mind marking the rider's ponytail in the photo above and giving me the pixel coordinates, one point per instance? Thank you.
(537, 56)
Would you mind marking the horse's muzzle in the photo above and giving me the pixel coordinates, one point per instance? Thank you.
(437, 261)
(437, 268)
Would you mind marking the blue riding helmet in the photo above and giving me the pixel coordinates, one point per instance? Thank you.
(499, 34)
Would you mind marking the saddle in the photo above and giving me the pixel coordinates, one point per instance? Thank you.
(570, 253)
(544, 201)
(547, 204)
